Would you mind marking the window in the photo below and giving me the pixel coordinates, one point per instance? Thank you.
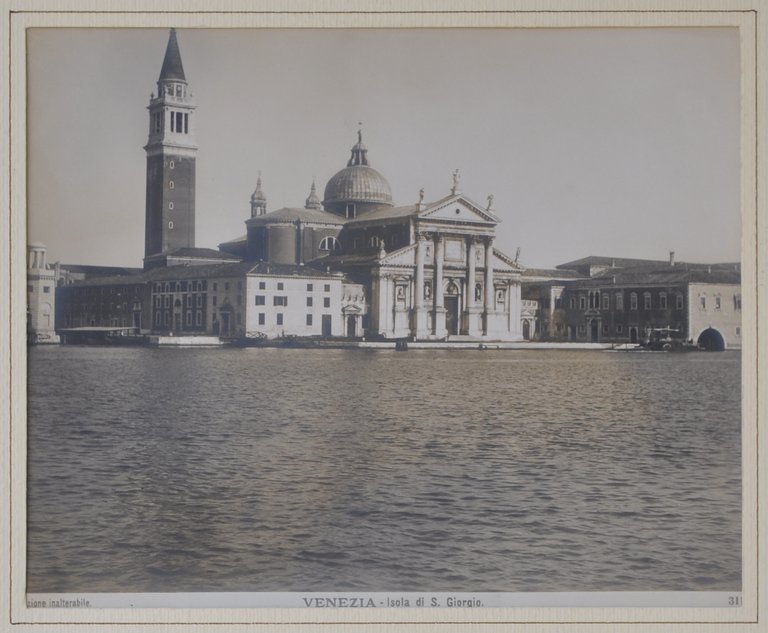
(170, 205)
(738, 331)
(198, 318)
(170, 184)
(582, 302)
(646, 301)
(166, 301)
(703, 303)
(571, 302)
(279, 318)
(262, 285)
(309, 302)
(737, 302)
(663, 300)
(606, 328)
(606, 301)
(260, 300)
(189, 301)
(279, 285)
(170, 224)
(280, 301)
(215, 286)
(633, 301)
(619, 328)
(373, 241)
(327, 288)
(171, 164)
(157, 318)
(717, 303)
(199, 301)
(329, 243)
(350, 211)
(309, 287)
(189, 317)
(679, 302)
(619, 300)
(327, 302)
(262, 317)
(214, 301)
(309, 319)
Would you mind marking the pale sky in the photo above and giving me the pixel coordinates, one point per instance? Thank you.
(617, 142)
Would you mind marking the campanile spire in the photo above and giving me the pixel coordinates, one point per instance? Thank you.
(171, 152)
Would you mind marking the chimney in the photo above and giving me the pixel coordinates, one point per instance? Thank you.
(671, 258)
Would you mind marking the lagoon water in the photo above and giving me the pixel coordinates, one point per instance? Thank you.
(365, 470)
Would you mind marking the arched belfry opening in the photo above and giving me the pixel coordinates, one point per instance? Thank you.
(711, 340)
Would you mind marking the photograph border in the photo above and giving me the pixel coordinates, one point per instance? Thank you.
(18, 15)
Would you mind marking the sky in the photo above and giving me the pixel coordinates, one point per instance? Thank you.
(619, 142)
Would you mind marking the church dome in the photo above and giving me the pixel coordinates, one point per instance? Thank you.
(357, 183)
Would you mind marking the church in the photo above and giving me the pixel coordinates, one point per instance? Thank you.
(352, 264)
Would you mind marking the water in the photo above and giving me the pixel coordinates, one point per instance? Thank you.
(339, 470)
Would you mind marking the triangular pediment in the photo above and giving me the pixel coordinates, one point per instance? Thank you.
(458, 209)
(502, 261)
(405, 256)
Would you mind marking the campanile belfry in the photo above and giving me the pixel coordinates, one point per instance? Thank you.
(171, 151)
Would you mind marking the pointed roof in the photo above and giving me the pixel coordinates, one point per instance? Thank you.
(258, 194)
(313, 202)
(172, 68)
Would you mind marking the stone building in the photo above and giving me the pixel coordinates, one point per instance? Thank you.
(615, 300)
(41, 296)
(352, 264)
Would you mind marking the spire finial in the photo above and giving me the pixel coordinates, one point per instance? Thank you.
(172, 69)
(258, 199)
(313, 202)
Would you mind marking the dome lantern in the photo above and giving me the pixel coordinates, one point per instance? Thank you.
(358, 187)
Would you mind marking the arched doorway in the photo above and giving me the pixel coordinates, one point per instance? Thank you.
(527, 330)
(633, 335)
(351, 326)
(711, 340)
(594, 330)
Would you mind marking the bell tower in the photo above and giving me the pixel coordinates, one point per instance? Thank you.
(171, 151)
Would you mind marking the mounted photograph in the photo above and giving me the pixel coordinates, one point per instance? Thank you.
(384, 317)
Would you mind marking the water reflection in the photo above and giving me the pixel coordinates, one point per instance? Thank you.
(300, 470)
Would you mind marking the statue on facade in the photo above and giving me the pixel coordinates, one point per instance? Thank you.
(455, 187)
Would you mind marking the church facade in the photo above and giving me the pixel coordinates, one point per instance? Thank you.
(350, 265)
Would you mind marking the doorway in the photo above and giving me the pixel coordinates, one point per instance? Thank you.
(327, 323)
(351, 326)
(594, 330)
(451, 313)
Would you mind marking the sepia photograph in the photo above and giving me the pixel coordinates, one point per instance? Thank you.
(384, 317)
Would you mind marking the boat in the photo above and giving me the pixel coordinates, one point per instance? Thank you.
(666, 339)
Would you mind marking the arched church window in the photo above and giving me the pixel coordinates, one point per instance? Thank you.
(329, 243)
(374, 241)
